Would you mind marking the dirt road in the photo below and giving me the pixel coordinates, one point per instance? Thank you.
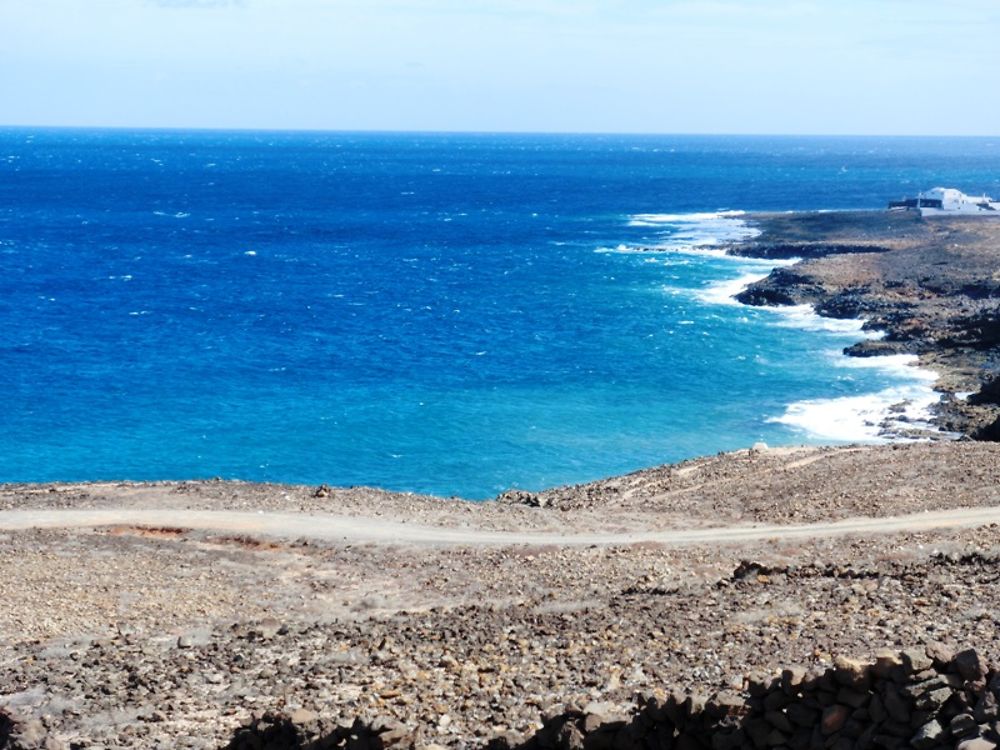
(359, 529)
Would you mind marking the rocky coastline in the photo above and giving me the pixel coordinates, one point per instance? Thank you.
(930, 286)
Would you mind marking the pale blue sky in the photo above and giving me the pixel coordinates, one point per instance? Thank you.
(666, 66)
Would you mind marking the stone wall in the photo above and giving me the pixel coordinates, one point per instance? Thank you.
(918, 698)
(922, 698)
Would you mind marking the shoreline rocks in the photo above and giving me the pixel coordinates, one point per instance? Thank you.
(930, 286)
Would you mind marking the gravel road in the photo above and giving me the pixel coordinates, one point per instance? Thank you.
(333, 528)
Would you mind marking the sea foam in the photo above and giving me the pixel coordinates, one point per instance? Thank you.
(873, 417)
(876, 417)
(658, 219)
(724, 292)
(805, 317)
(702, 233)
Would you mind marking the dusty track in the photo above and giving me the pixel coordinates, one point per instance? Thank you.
(359, 529)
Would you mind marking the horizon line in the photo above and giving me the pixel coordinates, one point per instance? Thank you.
(394, 131)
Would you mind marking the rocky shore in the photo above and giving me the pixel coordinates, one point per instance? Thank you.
(931, 286)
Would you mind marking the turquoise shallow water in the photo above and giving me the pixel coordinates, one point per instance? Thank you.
(436, 313)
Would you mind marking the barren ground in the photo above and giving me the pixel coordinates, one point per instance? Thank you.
(126, 635)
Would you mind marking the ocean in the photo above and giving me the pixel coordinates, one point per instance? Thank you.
(451, 314)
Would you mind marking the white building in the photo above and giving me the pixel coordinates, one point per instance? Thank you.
(941, 201)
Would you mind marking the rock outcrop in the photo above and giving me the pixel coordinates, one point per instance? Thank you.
(929, 287)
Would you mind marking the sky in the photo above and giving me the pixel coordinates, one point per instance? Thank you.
(904, 67)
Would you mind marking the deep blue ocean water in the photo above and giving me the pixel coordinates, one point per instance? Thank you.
(456, 314)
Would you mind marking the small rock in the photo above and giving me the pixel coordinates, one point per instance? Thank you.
(941, 655)
(30, 734)
(963, 725)
(916, 660)
(802, 715)
(302, 716)
(760, 684)
(597, 713)
(267, 628)
(780, 721)
(969, 665)
(928, 735)
(792, 677)
(932, 700)
(569, 737)
(834, 718)
(853, 698)
(851, 672)
(125, 629)
(887, 662)
(986, 708)
(976, 743)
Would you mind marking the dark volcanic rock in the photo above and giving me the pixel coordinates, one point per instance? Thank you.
(789, 250)
(875, 348)
(930, 286)
(785, 286)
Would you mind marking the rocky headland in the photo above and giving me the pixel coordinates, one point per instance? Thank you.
(931, 286)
